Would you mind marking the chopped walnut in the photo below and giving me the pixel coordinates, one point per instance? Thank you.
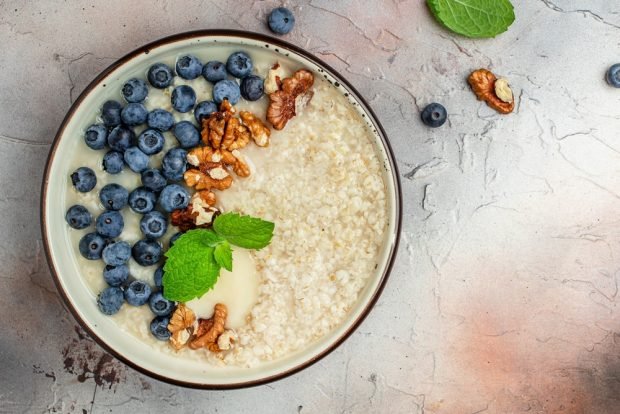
(205, 212)
(204, 179)
(299, 83)
(282, 103)
(226, 340)
(181, 326)
(213, 128)
(281, 109)
(482, 82)
(260, 133)
(221, 131)
(212, 330)
(273, 82)
(207, 197)
(240, 166)
(236, 135)
(184, 219)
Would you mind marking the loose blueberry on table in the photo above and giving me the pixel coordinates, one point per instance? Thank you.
(434, 115)
(281, 20)
(613, 75)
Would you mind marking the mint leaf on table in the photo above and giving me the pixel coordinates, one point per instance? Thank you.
(223, 255)
(244, 231)
(474, 18)
(191, 269)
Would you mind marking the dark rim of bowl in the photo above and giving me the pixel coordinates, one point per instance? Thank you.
(284, 45)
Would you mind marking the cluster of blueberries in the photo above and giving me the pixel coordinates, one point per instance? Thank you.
(159, 193)
(159, 186)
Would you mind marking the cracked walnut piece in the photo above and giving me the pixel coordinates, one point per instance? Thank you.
(210, 329)
(483, 83)
(222, 131)
(205, 157)
(282, 103)
(260, 132)
(181, 326)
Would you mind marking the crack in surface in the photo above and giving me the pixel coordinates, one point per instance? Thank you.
(585, 12)
(22, 141)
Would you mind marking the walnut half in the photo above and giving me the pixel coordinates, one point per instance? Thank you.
(209, 330)
(483, 83)
(282, 103)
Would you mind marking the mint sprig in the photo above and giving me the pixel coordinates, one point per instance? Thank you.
(223, 255)
(194, 262)
(244, 231)
(474, 18)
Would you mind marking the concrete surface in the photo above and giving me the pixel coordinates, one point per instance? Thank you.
(504, 298)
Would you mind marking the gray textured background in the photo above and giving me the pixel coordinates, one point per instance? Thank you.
(504, 295)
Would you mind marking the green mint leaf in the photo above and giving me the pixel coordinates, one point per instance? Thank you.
(244, 231)
(223, 255)
(191, 269)
(474, 18)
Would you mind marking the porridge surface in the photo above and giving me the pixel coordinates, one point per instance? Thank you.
(320, 182)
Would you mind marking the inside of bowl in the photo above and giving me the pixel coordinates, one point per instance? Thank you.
(62, 244)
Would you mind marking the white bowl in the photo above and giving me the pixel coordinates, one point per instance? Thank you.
(61, 252)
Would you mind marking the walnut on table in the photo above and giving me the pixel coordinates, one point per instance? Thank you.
(495, 92)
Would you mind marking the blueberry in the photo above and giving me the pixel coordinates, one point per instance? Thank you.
(134, 114)
(84, 179)
(135, 90)
(159, 328)
(158, 276)
(159, 305)
(186, 133)
(153, 224)
(613, 75)
(121, 138)
(150, 141)
(142, 200)
(434, 115)
(111, 113)
(239, 64)
(160, 75)
(174, 238)
(153, 180)
(226, 89)
(160, 119)
(110, 224)
(173, 197)
(281, 20)
(91, 245)
(183, 98)
(78, 217)
(214, 71)
(137, 293)
(96, 136)
(252, 88)
(116, 254)
(110, 300)
(174, 164)
(146, 252)
(136, 160)
(203, 110)
(113, 196)
(189, 67)
(115, 275)
(113, 162)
